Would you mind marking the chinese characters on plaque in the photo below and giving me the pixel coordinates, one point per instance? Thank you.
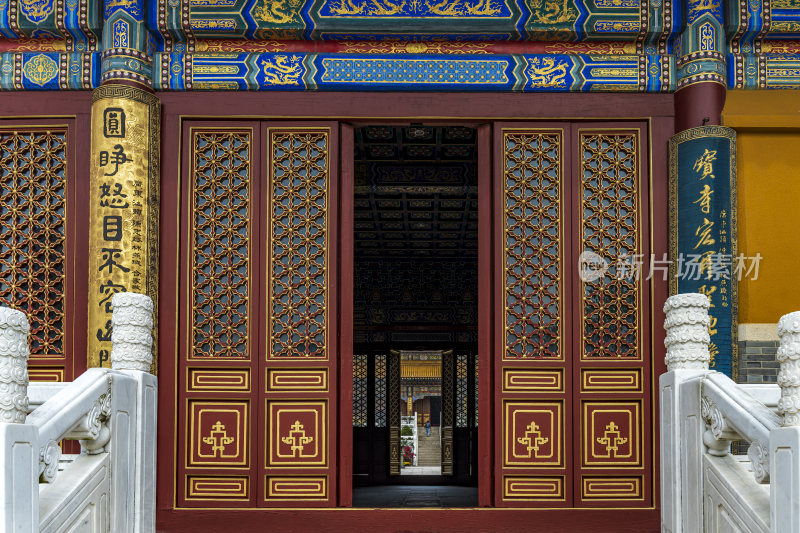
(123, 209)
(703, 227)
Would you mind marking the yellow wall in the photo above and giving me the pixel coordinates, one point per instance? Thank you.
(768, 164)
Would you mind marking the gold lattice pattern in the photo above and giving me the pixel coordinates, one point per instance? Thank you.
(610, 229)
(532, 240)
(462, 391)
(221, 203)
(33, 202)
(360, 390)
(380, 390)
(299, 243)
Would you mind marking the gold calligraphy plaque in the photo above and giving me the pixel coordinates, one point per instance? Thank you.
(124, 200)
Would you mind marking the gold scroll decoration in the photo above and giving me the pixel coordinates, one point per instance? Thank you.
(123, 214)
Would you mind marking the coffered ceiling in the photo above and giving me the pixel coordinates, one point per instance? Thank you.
(416, 193)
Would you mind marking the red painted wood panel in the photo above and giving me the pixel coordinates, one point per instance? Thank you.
(345, 320)
(573, 388)
(257, 346)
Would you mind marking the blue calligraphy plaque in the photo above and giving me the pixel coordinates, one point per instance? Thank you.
(703, 253)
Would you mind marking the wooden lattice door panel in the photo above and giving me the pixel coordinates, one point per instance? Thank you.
(533, 443)
(611, 313)
(392, 400)
(299, 313)
(38, 240)
(257, 372)
(566, 361)
(448, 411)
(218, 375)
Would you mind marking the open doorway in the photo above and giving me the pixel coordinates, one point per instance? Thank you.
(415, 316)
(421, 436)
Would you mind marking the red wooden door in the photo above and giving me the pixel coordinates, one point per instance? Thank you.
(573, 404)
(257, 367)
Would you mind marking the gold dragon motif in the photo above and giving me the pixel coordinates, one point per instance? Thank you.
(447, 8)
(552, 11)
(277, 11)
(461, 7)
(371, 7)
(283, 70)
(701, 6)
(547, 72)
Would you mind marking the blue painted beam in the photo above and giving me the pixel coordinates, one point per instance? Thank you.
(340, 72)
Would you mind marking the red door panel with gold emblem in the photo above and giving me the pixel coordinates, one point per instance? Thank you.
(257, 354)
(573, 404)
(611, 317)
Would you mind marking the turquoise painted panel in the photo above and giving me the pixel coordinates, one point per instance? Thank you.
(49, 71)
(77, 22)
(764, 71)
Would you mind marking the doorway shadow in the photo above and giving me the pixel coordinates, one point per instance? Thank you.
(415, 496)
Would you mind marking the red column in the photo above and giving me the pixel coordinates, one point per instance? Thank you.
(699, 104)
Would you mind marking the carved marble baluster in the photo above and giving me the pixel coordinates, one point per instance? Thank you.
(14, 354)
(789, 375)
(687, 332)
(784, 442)
(132, 332)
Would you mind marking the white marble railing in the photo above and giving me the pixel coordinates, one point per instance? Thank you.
(110, 485)
(703, 486)
(410, 422)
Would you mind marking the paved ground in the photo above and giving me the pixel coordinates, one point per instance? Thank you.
(421, 471)
(415, 496)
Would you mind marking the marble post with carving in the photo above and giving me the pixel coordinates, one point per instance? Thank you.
(789, 375)
(784, 442)
(132, 332)
(19, 456)
(14, 355)
(132, 353)
(687, 360)
(687, 332)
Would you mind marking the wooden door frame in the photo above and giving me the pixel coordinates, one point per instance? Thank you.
(479, 109)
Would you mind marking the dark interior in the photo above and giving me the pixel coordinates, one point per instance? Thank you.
(416, 286)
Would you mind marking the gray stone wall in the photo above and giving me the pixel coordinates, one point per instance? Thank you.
(757, 362)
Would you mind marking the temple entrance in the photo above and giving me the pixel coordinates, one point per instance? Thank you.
(324, 263)
(415, 311)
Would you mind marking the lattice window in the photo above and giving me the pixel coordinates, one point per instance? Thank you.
(462, 391)
(298, 239)
(33, 202)
(360, 392)
(532, 238)
(221, 238)
(380, 390)
(475, 387)
(610, 229)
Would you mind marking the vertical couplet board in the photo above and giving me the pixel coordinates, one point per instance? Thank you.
(573, 400)
(257, 370)
(123, 212)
